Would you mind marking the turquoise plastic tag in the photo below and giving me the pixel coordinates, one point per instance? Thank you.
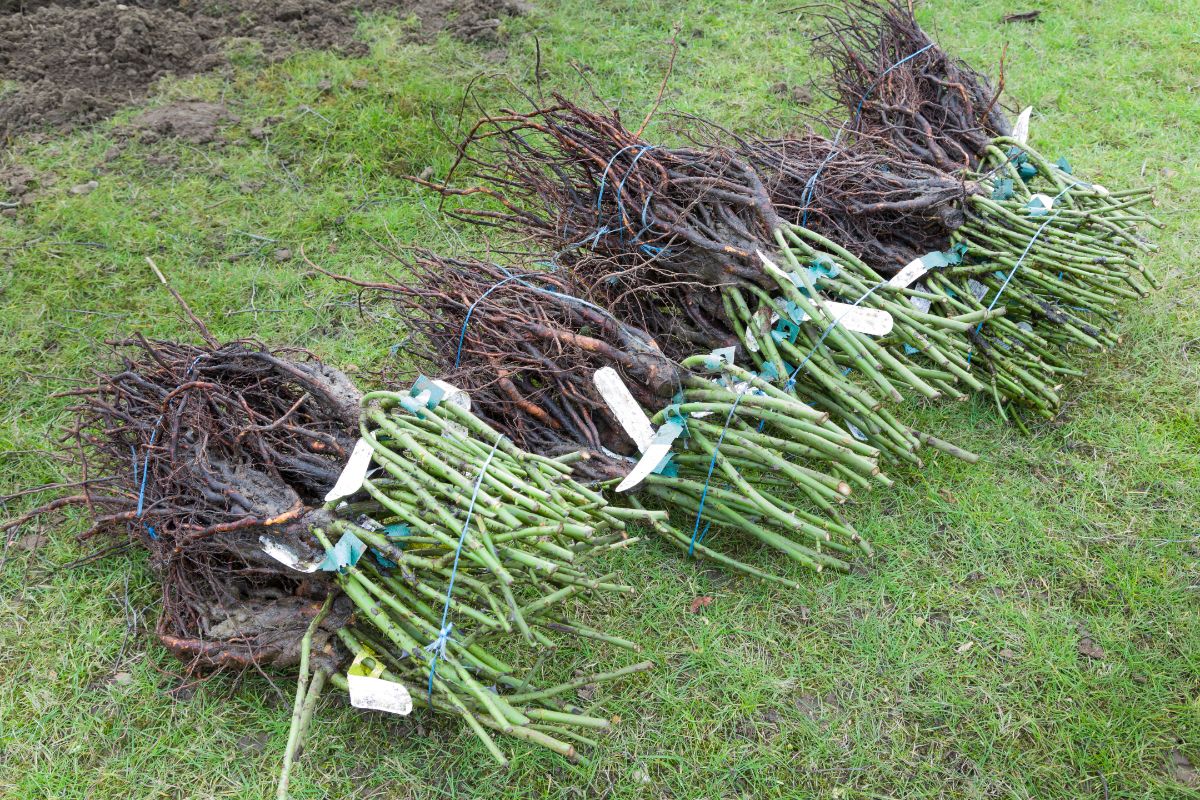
(673, 416)
(667, 467)
(345, 553)
(423, 384)
(1036, 207)
(823, 266)
(396, 531)
(785, 329)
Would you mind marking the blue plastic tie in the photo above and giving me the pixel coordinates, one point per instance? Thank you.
(811, 184)
(146, 463)
(696, 535)
(791, 381)
(1012, 272)
(462, 335)
(438, 645)
(466, 320)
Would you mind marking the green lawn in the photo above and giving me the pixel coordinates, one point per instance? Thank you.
(953, 666)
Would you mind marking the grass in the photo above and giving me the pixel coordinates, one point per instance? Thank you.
(951, 668)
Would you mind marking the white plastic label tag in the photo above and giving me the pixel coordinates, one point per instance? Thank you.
(652, 456)
(871, 321)
(351, 479)
(1040, 204)
(921, 304)
(751, 341)
(377, 694)
(759, 324)
(912, 270)
(860, 320)
(286, 556)
(624, 407)
(454, 395)
(1021, 126)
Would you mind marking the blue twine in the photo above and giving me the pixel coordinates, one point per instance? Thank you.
(594, 237)
(145, 475)
(621, 186)
(607, 167)
(462, 334)
(438, 646)
(711, 465)
(791, 381)
(646, 225)
(1008, 278)
(146, 461)
(645, 248)
(811, 184)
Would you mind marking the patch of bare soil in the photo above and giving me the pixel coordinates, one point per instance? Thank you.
(192, 120)
(66, 63)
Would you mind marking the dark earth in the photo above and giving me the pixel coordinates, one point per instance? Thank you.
(66, 63)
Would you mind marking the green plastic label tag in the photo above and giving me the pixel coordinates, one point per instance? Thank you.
(345, 553)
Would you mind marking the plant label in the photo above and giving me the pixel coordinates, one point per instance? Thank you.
(1040, 204)
(624, 407)
(1021, 126)
(871, 321)
(652, 456)
(912, 270)
(351, 479)
(377, 694)
(454, 395)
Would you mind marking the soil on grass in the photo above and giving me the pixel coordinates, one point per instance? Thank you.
(66, 63)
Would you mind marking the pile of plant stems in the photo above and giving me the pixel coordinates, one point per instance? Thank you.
(471, 557)
(745, 450)
(686, 244)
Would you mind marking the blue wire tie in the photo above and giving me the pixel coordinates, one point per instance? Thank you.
(811, 184)
(438, 646)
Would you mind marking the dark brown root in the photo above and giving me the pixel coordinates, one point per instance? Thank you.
(861, 193)
(202, 450)
(525, 346)
(894, 82)
(649, 232)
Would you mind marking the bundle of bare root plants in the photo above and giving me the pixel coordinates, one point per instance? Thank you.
(229, 464)
(192, 452)
(1022, 234)
(687, 244)
(532, 355)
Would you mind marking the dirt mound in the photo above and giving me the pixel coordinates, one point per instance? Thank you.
(191, 120)
(74, 63)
